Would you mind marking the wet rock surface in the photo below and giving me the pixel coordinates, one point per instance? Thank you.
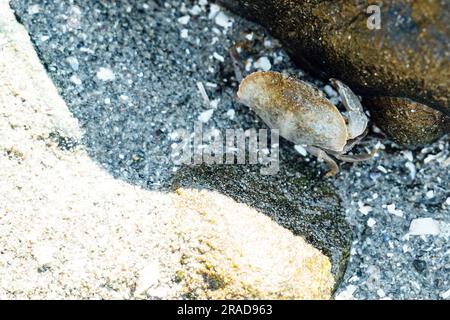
(408, 57)
(129, 73)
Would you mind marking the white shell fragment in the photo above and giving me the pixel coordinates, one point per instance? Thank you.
(263, 63)
(205, 116)
(105, 74)
(424, 226)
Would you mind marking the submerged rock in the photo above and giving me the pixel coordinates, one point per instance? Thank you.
(408, 57)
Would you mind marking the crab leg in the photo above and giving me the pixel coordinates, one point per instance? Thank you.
(357, 119)
(320, 154)
(351, 143)
(357, 157)
(234, 54)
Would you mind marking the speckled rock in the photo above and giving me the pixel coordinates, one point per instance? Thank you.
(406, 58)
(295, 199)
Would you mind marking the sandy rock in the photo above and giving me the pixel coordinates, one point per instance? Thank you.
(229, 250)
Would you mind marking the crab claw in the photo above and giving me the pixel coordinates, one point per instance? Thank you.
(357, 119)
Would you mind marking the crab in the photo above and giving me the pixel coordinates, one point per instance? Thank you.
(304, 116)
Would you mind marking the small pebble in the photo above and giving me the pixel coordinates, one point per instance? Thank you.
(105, 74)
(381, 293)
(392, 210)
(300, 149)
(371, 222)
(205, 116)
(424, 226)
(184, 33)
(223, 20)
(218, 57)
(73, 62)
(262, 63)
(231, 113)
(184, 20)
(195, 10)
(446, 294)
(76, 80)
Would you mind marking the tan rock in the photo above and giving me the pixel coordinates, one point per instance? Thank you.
(229, 250)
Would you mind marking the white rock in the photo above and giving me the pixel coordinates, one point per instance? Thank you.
(381, 293)
(44, 38)
(431, 157)
(424, 226)
(412, 169)
(76, 80)
(262, 63)
(211, 84)
(371, 222)
(105, 74)
(392, 210)
(184, 33)
(430, 194)
(218, 57)
(73, 62)
(300, 149)
(195, 10)
(408, 155)
(215, 103)
(184, 19)
(205, 116)
(382, 169)
(213, 10)
(223, 20)
(447, 201)
(446, 294)
(203, 93)
(174, 135)
(231, 113)
(364, 209)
